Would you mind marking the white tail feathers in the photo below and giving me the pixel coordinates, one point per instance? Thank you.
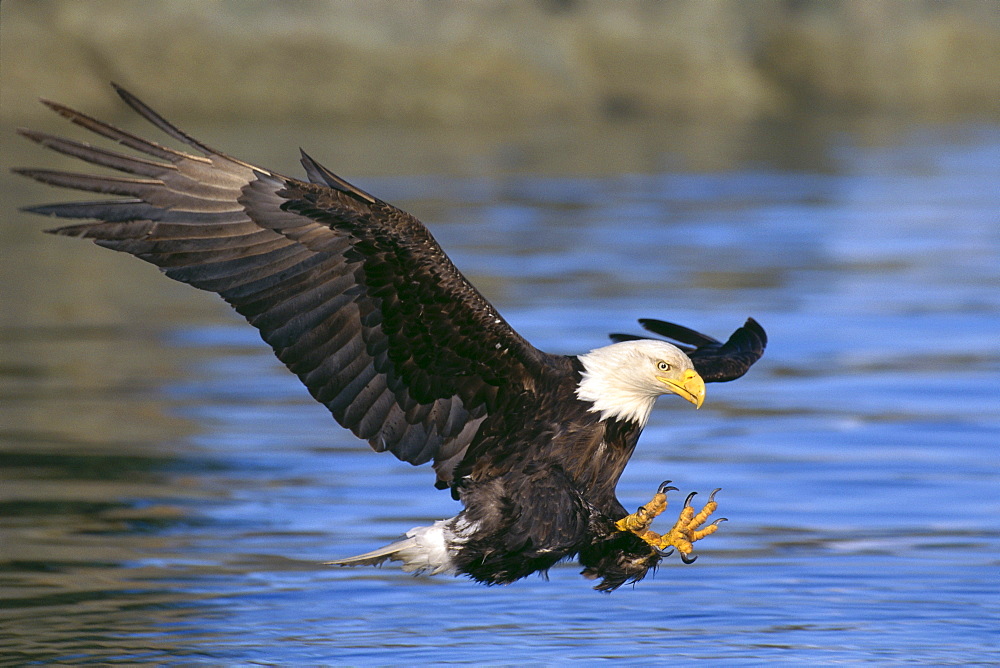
(424, 550)
(375, 557)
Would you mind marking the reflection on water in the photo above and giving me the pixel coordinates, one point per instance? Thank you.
(167, 490)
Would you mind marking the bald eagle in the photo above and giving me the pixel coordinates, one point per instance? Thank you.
(359, 301)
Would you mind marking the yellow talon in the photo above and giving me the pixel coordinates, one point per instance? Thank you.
(685, 531)
(709, 508)
(639, 521)
(707, 531)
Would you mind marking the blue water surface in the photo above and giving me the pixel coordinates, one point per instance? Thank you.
(168, 490)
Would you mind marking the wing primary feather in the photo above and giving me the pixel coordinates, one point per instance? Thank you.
(677, 332)
(97, 156)
(115, 134)
(167, 127)
(621, 338)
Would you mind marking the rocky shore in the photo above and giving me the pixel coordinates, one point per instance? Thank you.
(459, 62)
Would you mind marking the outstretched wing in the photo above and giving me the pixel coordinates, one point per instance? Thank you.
(354, 295)
(715, 362)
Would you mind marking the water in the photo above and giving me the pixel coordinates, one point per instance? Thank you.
(168, 490)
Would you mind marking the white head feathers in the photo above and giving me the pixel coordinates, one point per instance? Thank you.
(624, 379)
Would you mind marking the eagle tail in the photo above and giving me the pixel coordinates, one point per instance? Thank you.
(424, 550)
(376, 557)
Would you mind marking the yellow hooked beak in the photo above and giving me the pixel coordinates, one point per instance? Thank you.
(691, 387)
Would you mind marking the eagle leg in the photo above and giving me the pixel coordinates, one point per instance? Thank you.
(685, 531)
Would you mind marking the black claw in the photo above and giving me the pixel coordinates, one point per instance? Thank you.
(711, 497)
(666, 553)
(721, 519)
(665, 487)
(687, 501)
(688, 559)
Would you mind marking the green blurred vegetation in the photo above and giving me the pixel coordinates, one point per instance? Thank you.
(455, 62)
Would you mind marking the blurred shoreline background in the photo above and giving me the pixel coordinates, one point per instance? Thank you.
(459, 63)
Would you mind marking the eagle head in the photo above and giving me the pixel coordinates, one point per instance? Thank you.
(623, 380)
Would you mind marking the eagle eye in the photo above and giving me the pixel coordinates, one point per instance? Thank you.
(662, 366)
